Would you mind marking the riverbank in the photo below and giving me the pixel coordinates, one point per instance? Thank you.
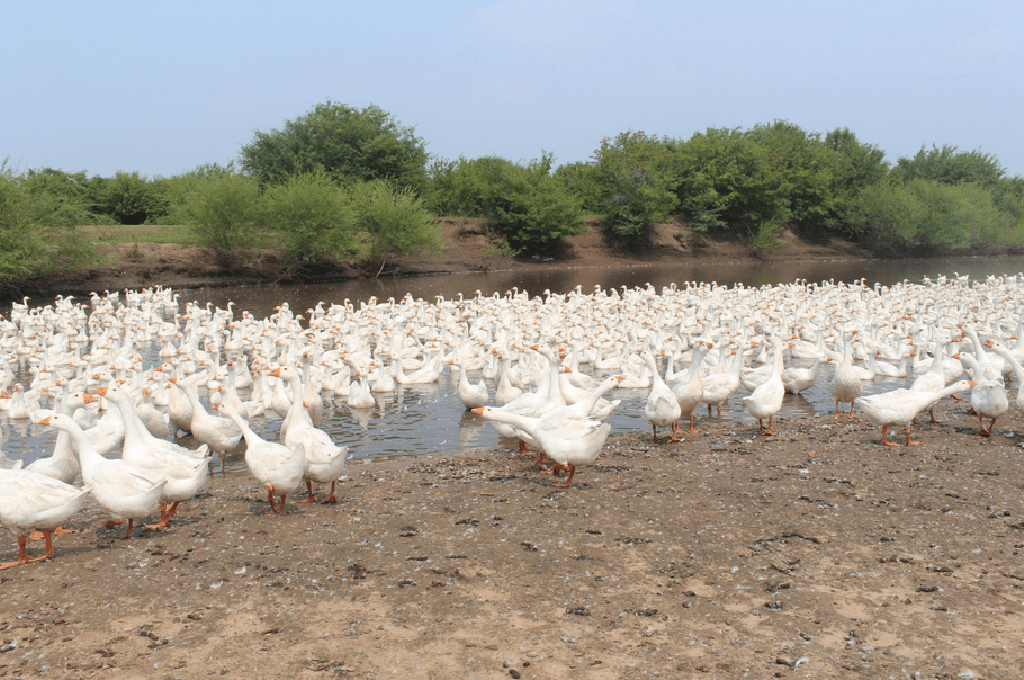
(467, 248)
(817, 551)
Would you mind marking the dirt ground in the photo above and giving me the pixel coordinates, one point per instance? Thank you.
(467, 247)
(815, 553)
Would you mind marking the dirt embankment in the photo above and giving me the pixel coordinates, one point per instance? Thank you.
(467, 248)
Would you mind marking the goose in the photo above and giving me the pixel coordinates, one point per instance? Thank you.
(571, 442)
(900, 407)
(766, 400)
(718, 387)
(185, 475)
(325, 462)
(156, 422)
(798, 379)
(932, 380)
(689, 394)
(120, 488)
(661, 408)
(845, 385)
(361, 397)
(29, 500)
(220, 434)
(275, 465)
(505, 392)
(1015, 365)
(472, 396)
(988, 399)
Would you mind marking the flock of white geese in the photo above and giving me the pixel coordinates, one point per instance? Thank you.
(120, 377)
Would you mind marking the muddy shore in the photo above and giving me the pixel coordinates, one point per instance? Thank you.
(815, 553)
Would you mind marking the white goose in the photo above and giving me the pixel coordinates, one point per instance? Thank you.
(571, 442)
(120, 488)
(661, 408)
(29, 500)
(766, 400)
(325, 462)
(900, 407)
(275, 465)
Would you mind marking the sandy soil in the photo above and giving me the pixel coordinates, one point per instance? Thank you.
(467, 248)
(814, 553)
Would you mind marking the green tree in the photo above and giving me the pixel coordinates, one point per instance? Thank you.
(315, 216)
(349, 144)
(581, 179)
(726, 181)
(638, 181)
(949, 165)
(394, 222)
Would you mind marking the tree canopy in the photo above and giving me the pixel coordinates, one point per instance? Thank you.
(347, 143)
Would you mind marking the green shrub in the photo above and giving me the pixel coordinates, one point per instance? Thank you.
(894, 218)
(531, 210)
(638, 181)
(314, 215)
(37, 231)
(223, 214)
(127, 197)
(948, 165)
(394, 221)
(581, 180)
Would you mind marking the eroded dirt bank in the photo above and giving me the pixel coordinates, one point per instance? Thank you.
(815, 553)
(467, 247)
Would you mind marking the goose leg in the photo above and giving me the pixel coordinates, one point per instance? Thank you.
(850, 414)
(270, 497)
(691, 430)
(166, 510)
(131, 523)
(982, 430)
(572, 471)
(330, 499)
(310, 496)
(655, 428)
(111, 523)
(540, 461)
(931, 412)
(839, 414)
(23, 557)
(675, 432)
(910, 442)
(885, 436)
(280, 508)
(769, 432)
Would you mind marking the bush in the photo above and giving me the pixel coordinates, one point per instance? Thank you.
(37, 231)
(394, 221)
(581, 180)
(314, 215)
(349, 144)
(638, 182)
(895, 218)
(532, 211)
(949, 165)
(223, 212)
(127, 198)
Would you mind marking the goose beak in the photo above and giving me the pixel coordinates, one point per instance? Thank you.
(102, 391)
(45, 421)
(478, 411)
(90, 398)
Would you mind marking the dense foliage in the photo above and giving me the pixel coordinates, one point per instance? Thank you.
(345, 183)
(38, 232)
(348, 144)
(530, 210)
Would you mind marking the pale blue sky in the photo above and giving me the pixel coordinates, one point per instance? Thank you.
(162, 87)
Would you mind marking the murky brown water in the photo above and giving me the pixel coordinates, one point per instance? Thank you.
(426, 418)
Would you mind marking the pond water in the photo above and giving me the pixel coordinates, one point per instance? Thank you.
(430, 418)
